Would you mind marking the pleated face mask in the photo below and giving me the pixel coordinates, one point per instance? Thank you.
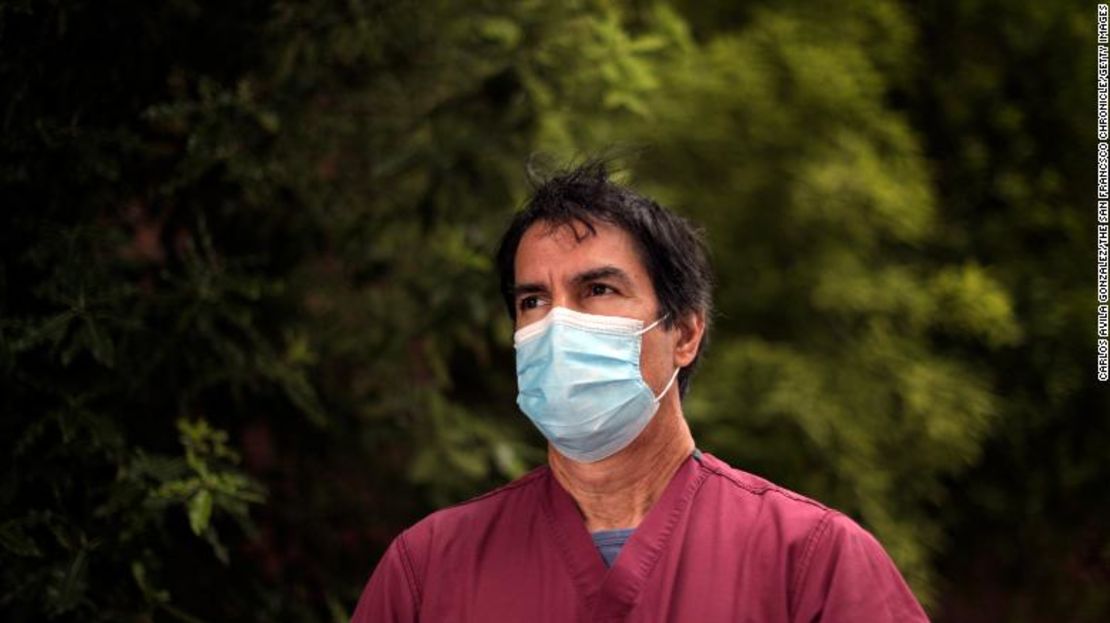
(579, 381)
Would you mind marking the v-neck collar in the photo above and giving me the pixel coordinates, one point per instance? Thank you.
(611, 592)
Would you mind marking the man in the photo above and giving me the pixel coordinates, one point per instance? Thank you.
(610, 294)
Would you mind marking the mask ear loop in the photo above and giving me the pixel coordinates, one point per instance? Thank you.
(652, 325)
(677, 370)
(669, 383)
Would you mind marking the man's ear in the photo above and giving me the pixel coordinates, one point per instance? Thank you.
(690, 328)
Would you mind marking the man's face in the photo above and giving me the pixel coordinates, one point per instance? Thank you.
(595, 274)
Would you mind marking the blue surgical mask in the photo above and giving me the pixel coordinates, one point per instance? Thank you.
(579, 381)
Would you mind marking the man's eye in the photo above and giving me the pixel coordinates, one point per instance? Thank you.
(599, 289)
(529, 302)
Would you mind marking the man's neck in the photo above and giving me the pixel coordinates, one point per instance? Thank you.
(618, 492)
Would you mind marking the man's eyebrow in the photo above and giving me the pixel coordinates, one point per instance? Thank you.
(603, 273)
(528, 288)
(594, 274)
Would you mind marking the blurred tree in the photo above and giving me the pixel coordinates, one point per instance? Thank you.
(1011, 136)
(282, 231)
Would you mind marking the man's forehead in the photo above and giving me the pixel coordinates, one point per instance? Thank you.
(577, 242)
(565, 233)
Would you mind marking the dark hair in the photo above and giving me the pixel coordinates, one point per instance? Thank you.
(671, 248)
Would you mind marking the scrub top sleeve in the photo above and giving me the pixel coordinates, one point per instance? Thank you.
(391, 595)
(848, 577)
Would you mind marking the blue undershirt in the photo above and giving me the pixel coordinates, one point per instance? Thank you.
(610, 542)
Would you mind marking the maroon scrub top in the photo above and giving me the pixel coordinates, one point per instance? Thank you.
(719, 545)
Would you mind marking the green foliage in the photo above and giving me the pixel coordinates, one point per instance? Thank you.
(201, 484)
(1011, 143)
(249, 325)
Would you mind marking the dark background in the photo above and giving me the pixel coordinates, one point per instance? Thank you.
(249, 324)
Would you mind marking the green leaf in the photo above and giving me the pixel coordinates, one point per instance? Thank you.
(501, 31)
(71, 586)
(200, 511)
(13, 539)
(152, 595)
(99, 344)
